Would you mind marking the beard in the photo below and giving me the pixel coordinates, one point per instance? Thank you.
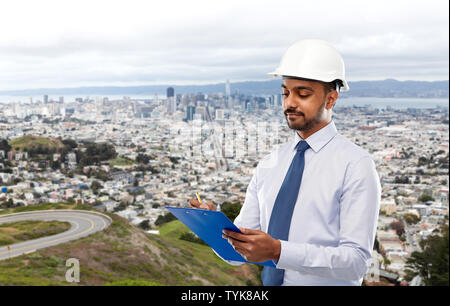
(300, 123)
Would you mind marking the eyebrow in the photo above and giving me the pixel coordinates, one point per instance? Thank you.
(298, 87)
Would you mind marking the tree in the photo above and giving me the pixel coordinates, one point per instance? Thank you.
(120, 207)
(191, 237)
(96, 153)
(401, 180)
(4, 146)
(231, 210)
(8, 204)
(425, 198)
(101, 175)
(55, 164)
(432, 263)
(174, 160)
(95, 186)
(145, 225)
(398, 226)
(411, 218)
(422, 161)
(70, 143)
(386, 262)
(164, 219)
(142, 158)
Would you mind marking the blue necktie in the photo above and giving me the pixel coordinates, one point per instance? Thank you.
(280, 219)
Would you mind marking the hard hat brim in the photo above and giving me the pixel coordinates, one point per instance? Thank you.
(344, 87)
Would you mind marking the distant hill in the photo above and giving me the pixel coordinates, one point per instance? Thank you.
(123, 254)
(384, 88)
(28, 142)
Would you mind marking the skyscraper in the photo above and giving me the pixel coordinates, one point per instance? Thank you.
(171, 105)
(202, 111)
(170, 92)
(248, 107)
(45, 99)
(220, 114)
(227, 94)
(190, 111)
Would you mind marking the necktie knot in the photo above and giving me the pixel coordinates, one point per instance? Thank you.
(302, 146)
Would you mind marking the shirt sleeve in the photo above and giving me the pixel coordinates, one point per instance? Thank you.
(359, 206)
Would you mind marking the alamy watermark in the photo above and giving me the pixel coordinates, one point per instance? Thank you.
(228, 139)
(73, 274)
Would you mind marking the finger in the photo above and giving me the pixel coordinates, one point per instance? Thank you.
(238, 244)
(211, 206)
(204, 206)
(230, 240)
(242, 252)
(248, 231)
(236, 235)
(194, 203)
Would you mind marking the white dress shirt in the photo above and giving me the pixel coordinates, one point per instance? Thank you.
(335, 217)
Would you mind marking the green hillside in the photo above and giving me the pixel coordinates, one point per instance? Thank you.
(16, 232)
(125, 255)
(30, 141)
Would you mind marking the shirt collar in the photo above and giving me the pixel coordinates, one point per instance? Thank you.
(319, 139)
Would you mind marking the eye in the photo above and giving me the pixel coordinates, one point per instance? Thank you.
(304, 96)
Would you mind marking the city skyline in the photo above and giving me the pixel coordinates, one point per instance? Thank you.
(132, 158)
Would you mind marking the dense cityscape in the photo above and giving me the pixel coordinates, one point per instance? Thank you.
(133, 157)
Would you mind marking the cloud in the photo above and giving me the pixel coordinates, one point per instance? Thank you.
(84, 43)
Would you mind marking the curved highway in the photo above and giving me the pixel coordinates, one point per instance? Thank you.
(83, 223)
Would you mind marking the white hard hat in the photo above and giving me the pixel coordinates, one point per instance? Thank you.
(313, 59)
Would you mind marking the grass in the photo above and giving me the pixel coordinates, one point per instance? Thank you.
(124, 255)
(121, 161)
(15, 232)
(33, 141)
(129, 282)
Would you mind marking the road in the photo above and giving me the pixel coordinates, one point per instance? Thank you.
(83, 223)
(411, 235)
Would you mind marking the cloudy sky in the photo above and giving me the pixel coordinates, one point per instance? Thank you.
(52, 44)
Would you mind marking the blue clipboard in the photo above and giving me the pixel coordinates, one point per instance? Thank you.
(208, 225)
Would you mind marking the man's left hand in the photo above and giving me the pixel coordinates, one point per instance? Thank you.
(254, 245)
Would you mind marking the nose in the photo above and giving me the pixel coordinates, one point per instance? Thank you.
(289, 102)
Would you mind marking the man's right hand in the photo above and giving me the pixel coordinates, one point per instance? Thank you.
(208, 206)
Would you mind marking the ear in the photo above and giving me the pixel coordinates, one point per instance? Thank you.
(331, 99)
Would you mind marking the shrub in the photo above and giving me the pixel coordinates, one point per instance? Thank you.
(188, 236)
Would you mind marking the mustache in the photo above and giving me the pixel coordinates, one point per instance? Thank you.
(291, 111)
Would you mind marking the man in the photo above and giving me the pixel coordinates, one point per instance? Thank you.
(312, 205)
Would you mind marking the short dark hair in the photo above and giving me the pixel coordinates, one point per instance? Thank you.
(327, 86)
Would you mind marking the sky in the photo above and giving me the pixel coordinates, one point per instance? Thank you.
(55, 44)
